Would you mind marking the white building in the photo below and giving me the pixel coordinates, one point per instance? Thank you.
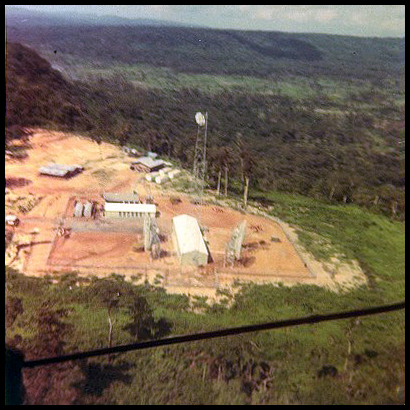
(123, 210)
(188, 241)
(60, 170)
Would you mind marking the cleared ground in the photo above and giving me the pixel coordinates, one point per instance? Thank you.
(97, 246)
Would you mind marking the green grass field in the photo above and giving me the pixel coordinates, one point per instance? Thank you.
(377, 242)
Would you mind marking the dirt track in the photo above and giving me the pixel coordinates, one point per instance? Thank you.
(107, 169)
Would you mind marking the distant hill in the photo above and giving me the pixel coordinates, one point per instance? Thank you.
(105, 44)
(18, 16)
(36, 94)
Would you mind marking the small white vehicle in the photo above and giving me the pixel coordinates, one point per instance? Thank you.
(12, 220)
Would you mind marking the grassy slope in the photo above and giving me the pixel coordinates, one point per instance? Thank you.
(375, 241)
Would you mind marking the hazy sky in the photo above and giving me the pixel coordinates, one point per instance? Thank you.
(357, 20)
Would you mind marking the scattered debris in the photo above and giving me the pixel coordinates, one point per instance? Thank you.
(256, 228)
(12, 220)
(63, 232)
(175, 200)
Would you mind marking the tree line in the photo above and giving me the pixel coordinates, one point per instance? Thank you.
(342, 151)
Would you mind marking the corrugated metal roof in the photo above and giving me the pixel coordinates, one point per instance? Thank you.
(149, 162)
(118, 197)
(59, 169)
(121, 207)
(88, 207)
(188, 234)
(78, 209)
(53, 171)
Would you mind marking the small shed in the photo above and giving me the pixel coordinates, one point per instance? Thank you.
(147, 164)
(88, 209)
(60, 170)
(78, 210)
(188, 241)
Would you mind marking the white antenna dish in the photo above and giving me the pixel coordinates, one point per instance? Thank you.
(200, 119)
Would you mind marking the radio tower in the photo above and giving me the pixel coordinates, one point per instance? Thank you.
(200, 158)
(200, 147)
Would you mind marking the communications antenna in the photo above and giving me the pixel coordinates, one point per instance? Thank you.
(234, 246)
(200, 160)
(155, 240)
(147, 233)
(151, 237)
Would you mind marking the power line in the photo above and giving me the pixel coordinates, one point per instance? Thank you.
(218, 333)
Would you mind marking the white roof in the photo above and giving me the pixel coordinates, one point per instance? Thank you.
(59, 169)
(119, 197)
(120, 207)
(149, 162)
(188, 234)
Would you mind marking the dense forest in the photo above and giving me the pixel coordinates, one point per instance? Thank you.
(346, 148)
(218, 52)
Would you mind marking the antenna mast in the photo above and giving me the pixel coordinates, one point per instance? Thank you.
(200, 158)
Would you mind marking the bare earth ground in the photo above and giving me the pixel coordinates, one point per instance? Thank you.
(102, 248)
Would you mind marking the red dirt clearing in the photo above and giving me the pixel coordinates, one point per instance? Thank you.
(106, 168)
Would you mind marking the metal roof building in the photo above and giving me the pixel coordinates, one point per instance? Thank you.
(147, 164)
(123, 210)
(188, 241)
(88, 209)
(121, 198)
(60, 170)
(78, 210)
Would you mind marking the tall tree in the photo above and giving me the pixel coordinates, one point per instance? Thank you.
(142, 324)
(227, 158)
(109, 294)
(248, 166)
